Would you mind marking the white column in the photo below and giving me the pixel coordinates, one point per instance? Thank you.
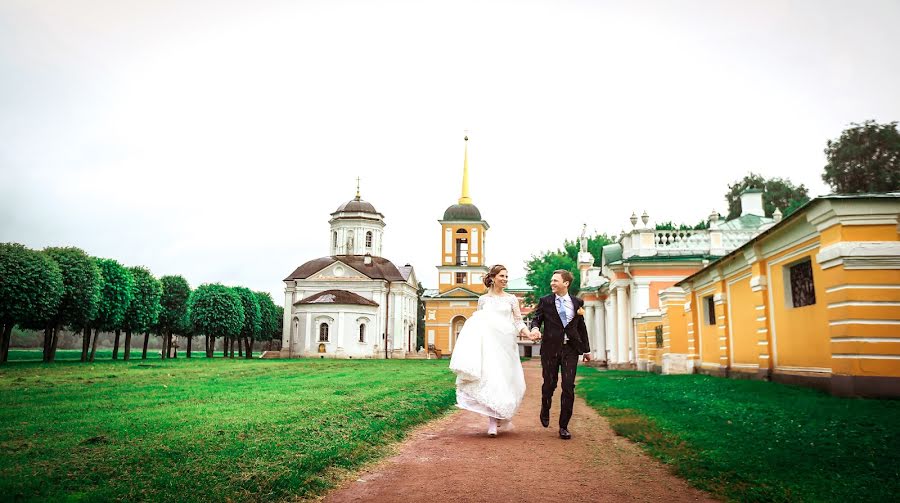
(589, 323)
(307, 340)
(623, 320)
(600, 331)
(612, 327)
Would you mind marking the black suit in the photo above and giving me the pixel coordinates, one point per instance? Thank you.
(558, 356)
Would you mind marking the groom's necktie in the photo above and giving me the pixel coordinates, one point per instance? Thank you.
(561, 309)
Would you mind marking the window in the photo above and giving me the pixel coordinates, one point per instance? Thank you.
(362, 332)
(323, 332)
(462, 251)
(460, 278)
(369, 239)
(334, 244)
(710, 305)
(659, 335)
(803, 292)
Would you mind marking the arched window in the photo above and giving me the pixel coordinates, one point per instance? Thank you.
(323, 332)
(362, 332)
(335, 240)
(369, 239)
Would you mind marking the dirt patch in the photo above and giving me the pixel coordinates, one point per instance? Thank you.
(453, 459)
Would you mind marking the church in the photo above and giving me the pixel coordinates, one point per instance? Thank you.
(460, 272)
(353, 303)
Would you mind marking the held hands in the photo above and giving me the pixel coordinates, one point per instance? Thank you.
(587, 357)
(535, 334)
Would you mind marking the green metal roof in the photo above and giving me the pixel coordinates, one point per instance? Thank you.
(518, 284)
(745, 222)
(612, 252)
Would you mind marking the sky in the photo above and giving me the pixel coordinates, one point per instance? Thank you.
(213, 139)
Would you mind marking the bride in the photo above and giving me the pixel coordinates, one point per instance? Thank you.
(486, 357)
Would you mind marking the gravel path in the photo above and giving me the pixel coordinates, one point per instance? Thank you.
(452, 459)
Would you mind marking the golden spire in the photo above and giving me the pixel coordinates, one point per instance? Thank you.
(465, 199)
(357, 188)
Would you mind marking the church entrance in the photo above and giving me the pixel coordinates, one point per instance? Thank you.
(455, 328)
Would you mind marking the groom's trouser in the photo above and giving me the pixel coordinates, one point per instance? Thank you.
(566, 362)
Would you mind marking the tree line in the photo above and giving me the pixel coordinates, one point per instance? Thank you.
(64, 288)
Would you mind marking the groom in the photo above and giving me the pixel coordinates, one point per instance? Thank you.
(565, 339)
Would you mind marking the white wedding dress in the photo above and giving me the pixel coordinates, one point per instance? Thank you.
(489, 378)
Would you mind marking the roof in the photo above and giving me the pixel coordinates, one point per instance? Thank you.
(612, 252)
(356, 205)
(745, 222)
(337, 297)
(405, 271)
(518, 284)
(379, 268)
(466, 212)
(790, 218)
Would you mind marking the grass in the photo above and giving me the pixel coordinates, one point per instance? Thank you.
(204, 429)
(36, 355)
(755, 441)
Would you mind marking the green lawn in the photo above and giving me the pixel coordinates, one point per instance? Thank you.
(204, 429)
(756, 441)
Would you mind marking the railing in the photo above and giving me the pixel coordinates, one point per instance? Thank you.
(673, 242)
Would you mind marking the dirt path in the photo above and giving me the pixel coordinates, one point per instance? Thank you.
(453, 459)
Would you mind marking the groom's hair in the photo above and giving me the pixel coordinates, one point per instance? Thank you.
(565, 275)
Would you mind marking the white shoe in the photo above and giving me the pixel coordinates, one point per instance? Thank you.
(492, 427)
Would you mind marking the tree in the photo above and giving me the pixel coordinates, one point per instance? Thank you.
(268, 321)
(174, 306)
(420, 316)
(216, 311)
(31, 288)
(866, 158)
(540, 271)
(252, 320)
(143, 312)
(115, 296)
(81, 294)
(778, 193)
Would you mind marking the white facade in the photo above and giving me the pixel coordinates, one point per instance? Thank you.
(353, 303)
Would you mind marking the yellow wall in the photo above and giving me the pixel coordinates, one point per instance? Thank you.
(744, 347)
(444, 315)
(801, 334)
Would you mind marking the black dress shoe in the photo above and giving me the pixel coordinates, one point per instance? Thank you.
(564, 434)
(545, 418)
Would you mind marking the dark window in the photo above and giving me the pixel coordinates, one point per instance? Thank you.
(335, 240)
(710, 306)
(362, 333)
(803, 292)
(460, 278)
(323, 332)
(369, 239)
(462, 252)
(659, 336)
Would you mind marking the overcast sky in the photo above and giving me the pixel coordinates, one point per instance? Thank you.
(213, 139)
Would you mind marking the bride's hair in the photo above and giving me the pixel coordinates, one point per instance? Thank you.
(489, 279)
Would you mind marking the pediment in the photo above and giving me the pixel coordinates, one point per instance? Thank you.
(337, 271)
(459, 292)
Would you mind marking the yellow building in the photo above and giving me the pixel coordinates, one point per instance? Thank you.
(814, 300)
(461, 271)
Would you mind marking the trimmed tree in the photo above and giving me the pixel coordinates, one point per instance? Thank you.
(174, 302)
(866, 158)
(143, 312)
(778, 193)
(540, 271)
(267, 318)
(216, 311)
(252, 319)
(81, 294)
(31, 288)
(115, 296)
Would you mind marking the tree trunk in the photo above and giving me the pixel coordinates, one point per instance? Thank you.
(85, 343)
(54, 342)
(165, 345)
(249, 347)
(48, 336)
(189, 346)
(127, 354)
(174, 346)
(240, 344)
(4, 342)
(146, 340)
(94, 344)
(116, 345)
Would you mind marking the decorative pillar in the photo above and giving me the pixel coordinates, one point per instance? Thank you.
(612, 328)
(623, 320)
